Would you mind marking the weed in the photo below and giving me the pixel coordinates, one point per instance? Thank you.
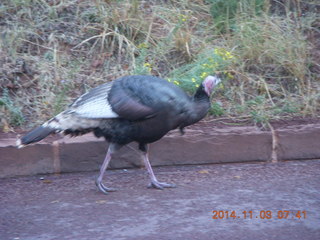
(9, 110)
(266, 53)
(216, 110)
(211, 61)
(225, 13)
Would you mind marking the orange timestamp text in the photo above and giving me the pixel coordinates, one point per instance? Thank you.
(259, 214)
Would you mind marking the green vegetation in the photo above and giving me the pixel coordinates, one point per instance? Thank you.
(267, 53)
(9, 111)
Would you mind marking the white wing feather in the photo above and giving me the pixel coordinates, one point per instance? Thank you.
(85, 112)
(97, 108)
(94, 104)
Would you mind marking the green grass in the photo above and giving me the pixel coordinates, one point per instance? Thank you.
(263, 51)
(226, 13)
(10, 114)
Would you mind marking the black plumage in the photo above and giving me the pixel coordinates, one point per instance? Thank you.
(132, 108)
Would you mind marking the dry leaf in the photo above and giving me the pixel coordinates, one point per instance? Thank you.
(47, 181)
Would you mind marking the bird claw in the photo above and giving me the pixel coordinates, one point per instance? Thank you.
(104, 189)
(161, 185)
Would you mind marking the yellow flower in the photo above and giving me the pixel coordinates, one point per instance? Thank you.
(183, 17)
(204, 74)
(169, 79)
(176, 82)
(148, 65)
(193, 80)
(143, 45)
(223, 53)
(197, 85)
(228, 55)
(214, 65)
(229, 75)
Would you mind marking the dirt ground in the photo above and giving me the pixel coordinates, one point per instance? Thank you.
(68, 206)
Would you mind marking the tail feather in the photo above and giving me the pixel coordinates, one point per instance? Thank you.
(65, 122)
(35, 135)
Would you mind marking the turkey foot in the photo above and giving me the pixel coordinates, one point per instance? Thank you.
(103, 188)
(154, 182)
(112, 148)
(160, 185)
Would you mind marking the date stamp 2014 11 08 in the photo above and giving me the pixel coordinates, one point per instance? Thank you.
(260, 214)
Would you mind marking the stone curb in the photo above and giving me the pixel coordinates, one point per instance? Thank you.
(217, 145)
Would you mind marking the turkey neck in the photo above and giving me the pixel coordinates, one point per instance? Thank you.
(200, 105)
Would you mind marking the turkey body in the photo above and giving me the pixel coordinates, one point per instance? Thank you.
(148, 107)
(132, 108)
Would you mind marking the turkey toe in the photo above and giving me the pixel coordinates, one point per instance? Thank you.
(161, 185)
(104, 189)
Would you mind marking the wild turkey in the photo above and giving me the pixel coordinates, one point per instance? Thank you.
(132, 108)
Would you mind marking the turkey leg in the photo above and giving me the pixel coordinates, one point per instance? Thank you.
(112, 149)
(154, 182)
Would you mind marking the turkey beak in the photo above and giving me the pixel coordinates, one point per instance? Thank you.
(208, 91)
